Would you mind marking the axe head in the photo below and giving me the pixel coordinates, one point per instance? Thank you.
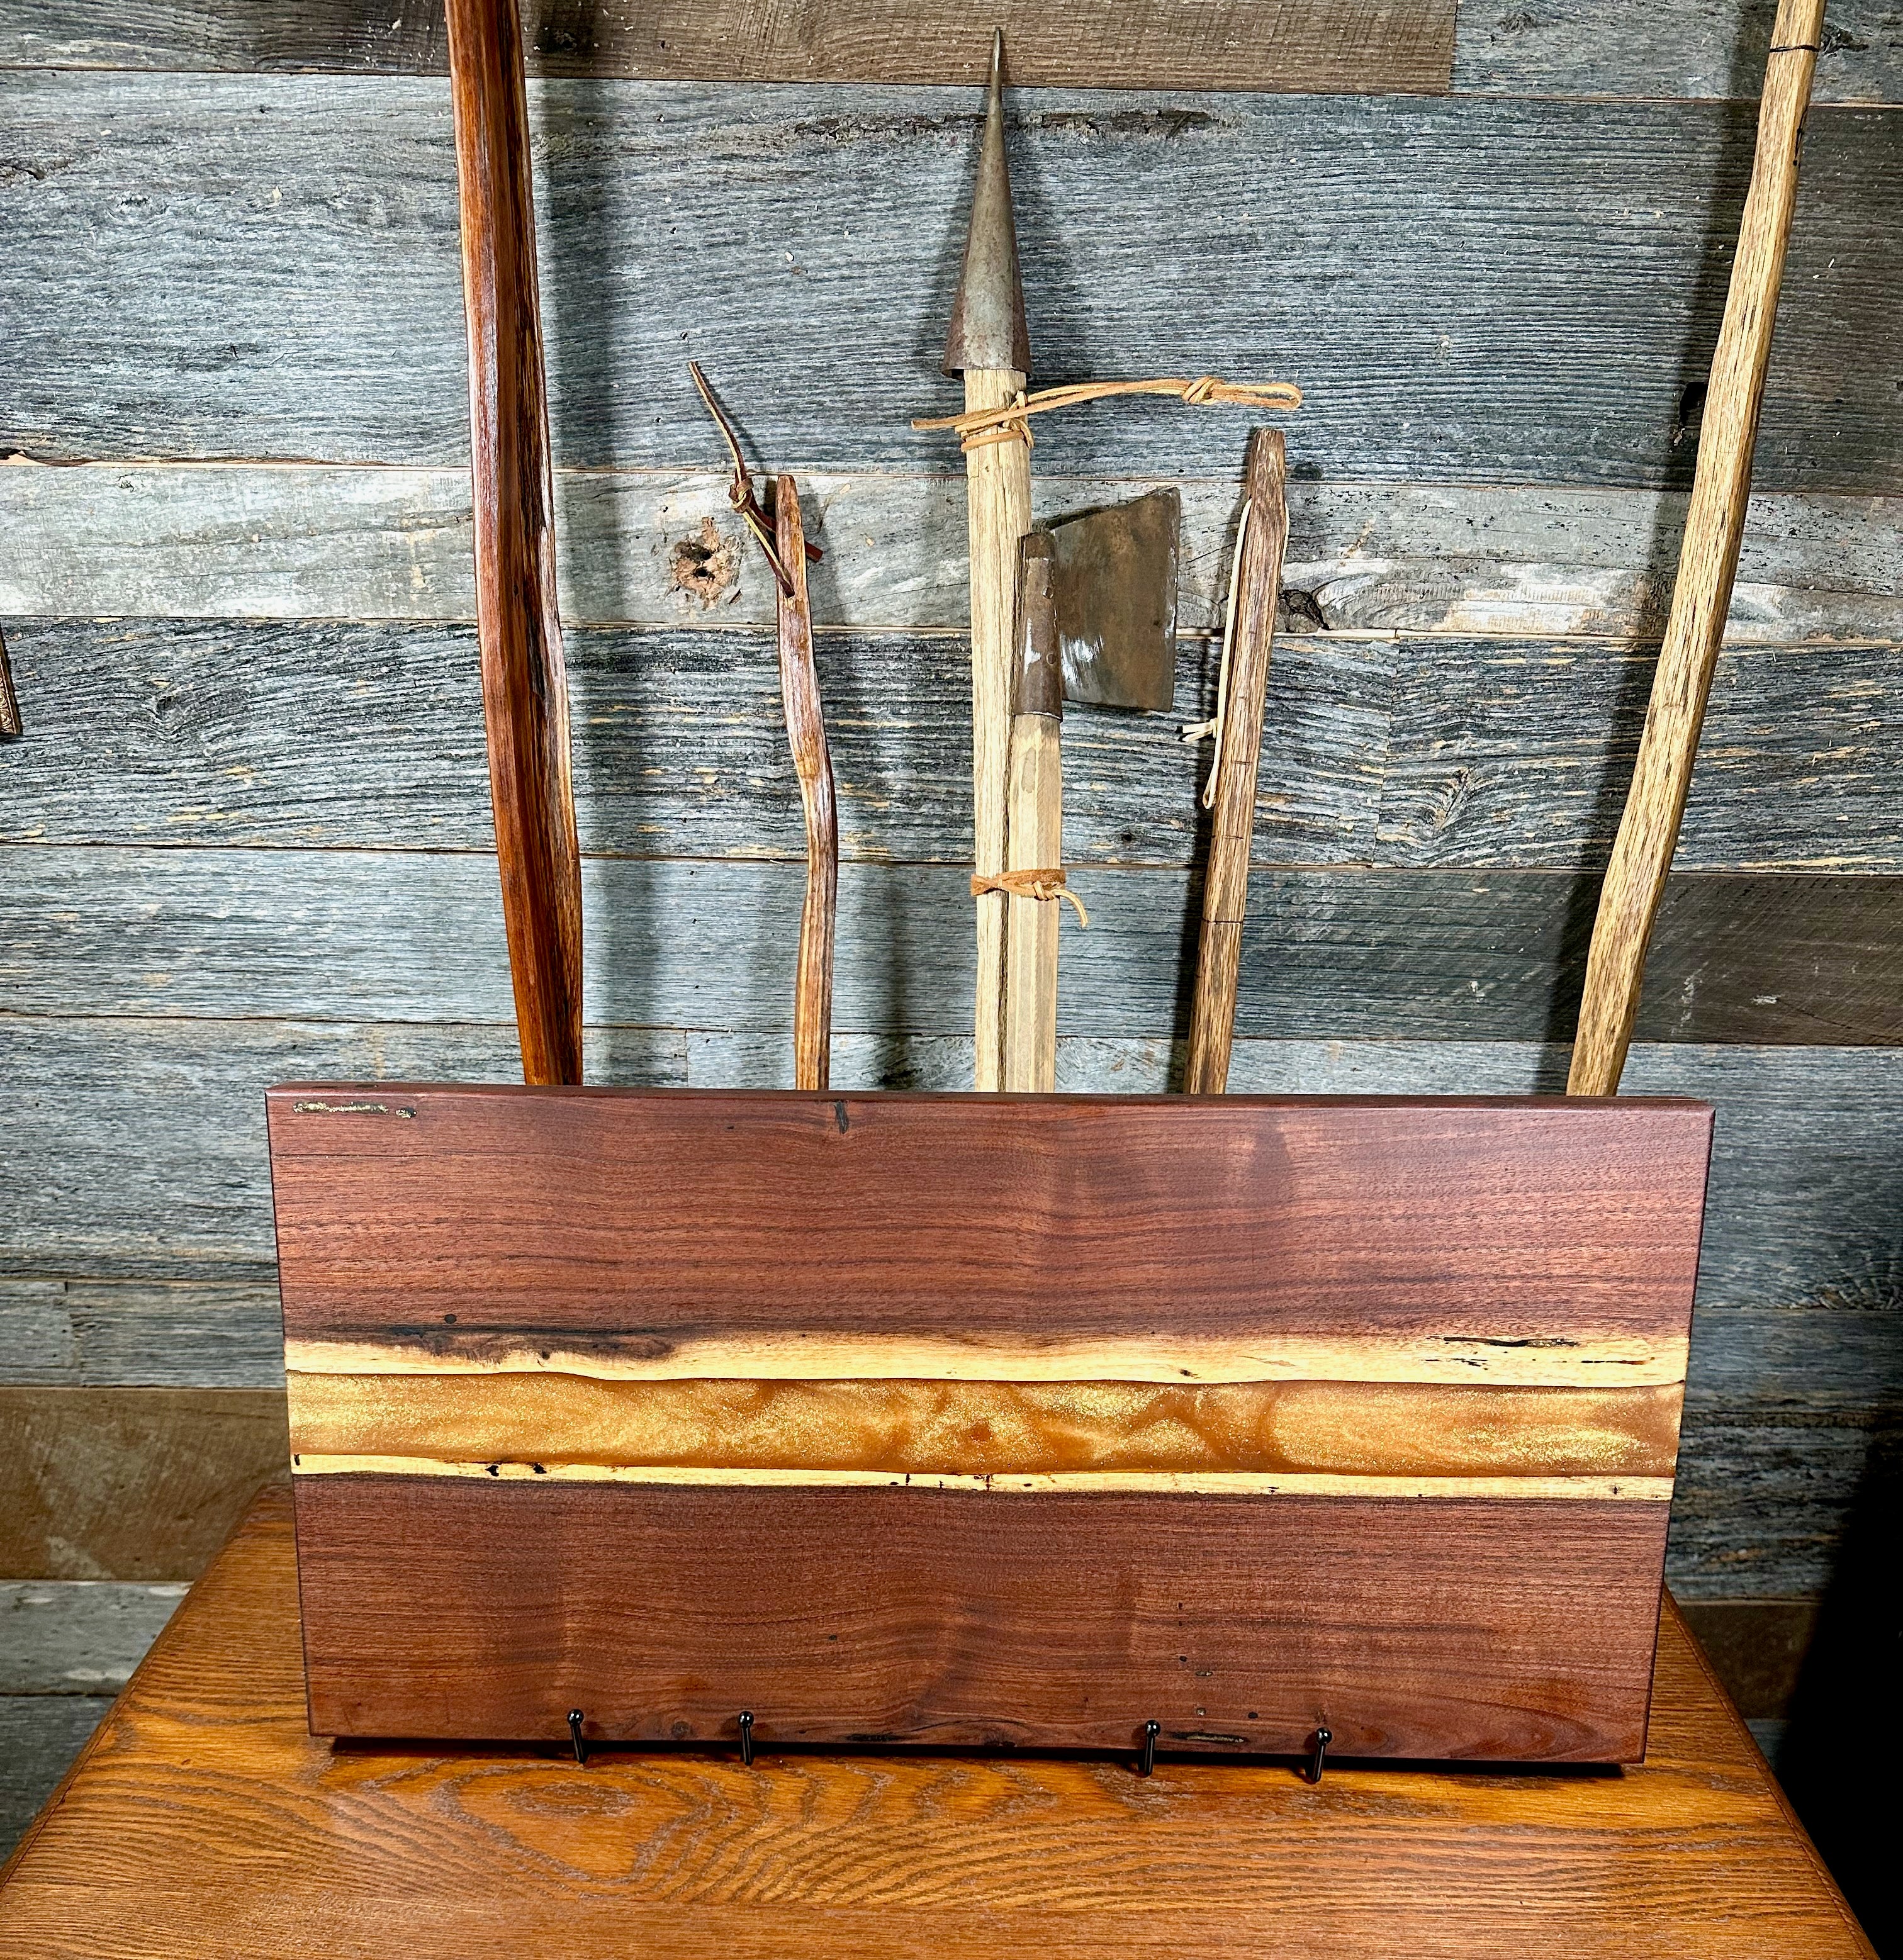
(1113, 592)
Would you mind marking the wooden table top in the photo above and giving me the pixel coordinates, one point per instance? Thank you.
(203, 1820)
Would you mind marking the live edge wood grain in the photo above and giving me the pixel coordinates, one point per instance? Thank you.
(486, 1223)
(208, 1822)
(1495, 1631)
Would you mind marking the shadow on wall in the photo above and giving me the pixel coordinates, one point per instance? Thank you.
(1846, 1723)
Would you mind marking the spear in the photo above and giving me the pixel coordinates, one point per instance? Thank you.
(990, 346)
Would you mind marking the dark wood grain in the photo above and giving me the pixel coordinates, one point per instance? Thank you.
(208, 1822)
(1505, 1631)
(1425, 351)
(1360, 46)
(1803, 1210)
(524, 683)
(999, 1239)
(472, 1218)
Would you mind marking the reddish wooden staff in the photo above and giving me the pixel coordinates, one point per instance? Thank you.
(525, 698)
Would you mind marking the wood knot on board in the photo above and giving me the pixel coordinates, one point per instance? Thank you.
(704, 564)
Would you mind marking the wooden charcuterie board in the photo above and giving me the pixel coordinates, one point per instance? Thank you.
(957, 1419)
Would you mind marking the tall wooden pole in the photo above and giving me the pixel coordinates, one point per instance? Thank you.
(1648, 833)
(524, 683)
(1036, 842)
(990, 346)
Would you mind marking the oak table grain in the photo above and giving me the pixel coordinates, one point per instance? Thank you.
(204, 1820)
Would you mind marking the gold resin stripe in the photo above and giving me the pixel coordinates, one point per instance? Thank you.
(1574, 1360)
(927, 1428)
(1213, 1483)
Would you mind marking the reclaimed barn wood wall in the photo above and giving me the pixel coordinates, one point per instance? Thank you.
(246, 833)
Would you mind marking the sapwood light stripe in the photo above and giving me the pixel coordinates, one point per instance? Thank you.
(985, 1426)
(1161, 1483)
(1591, 1358)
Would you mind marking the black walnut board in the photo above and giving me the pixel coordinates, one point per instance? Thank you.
(970, 1420)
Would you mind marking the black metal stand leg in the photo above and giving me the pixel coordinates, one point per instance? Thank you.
(1318, 1755)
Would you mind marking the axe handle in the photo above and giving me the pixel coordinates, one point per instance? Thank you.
(997, 483)
(1648, 833)
(1232, 831)
(813, 764)
(524, 685)
(1036, 844)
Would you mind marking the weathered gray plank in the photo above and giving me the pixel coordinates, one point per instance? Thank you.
(152, 1133)
(146, 1333)
(267, 268)
(1689, 48)
(310, 542)
(416, 937)
(1668, 47)
(1787, 1418)
(37, 1340)
(40, 1735)
(138, 1145)
(1455, 753)
(1765, 1507)
(77, 1637)
(1352, 44)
